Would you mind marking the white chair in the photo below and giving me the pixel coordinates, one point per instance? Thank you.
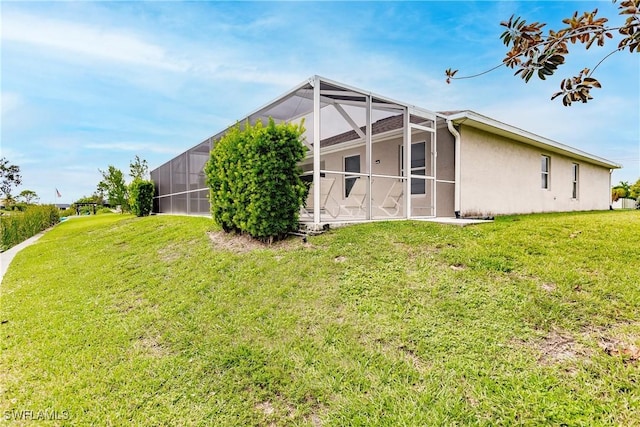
(391, 204)
(354, 204)
(326, 184)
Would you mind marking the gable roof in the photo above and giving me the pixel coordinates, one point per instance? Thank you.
(487, 124)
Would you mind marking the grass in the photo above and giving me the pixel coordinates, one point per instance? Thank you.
(146, 321)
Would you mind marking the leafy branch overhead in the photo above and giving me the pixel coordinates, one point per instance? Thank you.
(531, 52)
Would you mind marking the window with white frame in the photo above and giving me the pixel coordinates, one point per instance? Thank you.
(351, 164)
(574, 175)
(418, 166)
(545, 171)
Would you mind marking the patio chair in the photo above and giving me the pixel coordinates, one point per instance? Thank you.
(355, 203)
(326, 184)
(391, 204)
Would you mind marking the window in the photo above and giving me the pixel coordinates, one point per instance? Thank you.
(545, 163)
(351, 164)
(574, 175)
(418, 166)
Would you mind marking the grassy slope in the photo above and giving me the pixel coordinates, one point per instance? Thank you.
(117, 319)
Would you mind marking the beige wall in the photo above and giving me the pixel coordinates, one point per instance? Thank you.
(446, 155)
(445, 171)
(500, 176)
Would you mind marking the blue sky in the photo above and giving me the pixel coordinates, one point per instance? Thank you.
(91, 84)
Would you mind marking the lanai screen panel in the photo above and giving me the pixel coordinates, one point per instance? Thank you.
(360, 136)
(181, 184)
(423, 165)
(360, 142)
(198, 157)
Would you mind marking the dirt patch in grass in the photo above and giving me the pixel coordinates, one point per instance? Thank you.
(315, 420)
(412, 358)
(620, 340)
(132, 304)
(169, 253)
(619, 348)
(151, 346)
(560, 346)
(548, 287)
(242, 243)
(266, 408)
(414, 252)
(276, 410)
(174, 251)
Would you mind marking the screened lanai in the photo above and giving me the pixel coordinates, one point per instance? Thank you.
(359, 145)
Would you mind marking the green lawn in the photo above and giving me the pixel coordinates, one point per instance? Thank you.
(532, 320)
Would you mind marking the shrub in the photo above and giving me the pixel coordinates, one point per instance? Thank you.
(68, 212)
(19, 207)
(104, 210)
(87, 210)
(18, 227)
(254, 179)
(141, 196)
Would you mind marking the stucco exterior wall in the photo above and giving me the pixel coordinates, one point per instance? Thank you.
(501, 177)
(445, 159)
(445, 171)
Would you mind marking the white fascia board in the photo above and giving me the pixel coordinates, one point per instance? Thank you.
(478, 121)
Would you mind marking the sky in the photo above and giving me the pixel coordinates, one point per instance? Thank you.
(86, 85)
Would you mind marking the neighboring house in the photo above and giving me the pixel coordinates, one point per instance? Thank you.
(462, 164)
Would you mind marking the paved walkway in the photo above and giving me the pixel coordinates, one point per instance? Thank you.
(7, 256)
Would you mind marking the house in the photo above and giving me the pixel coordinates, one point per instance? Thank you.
(377, 158)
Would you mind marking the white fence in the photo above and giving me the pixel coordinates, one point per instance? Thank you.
(624, 204)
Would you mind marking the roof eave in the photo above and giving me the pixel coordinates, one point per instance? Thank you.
(478, 121)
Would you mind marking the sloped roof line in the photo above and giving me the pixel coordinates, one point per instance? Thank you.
(479, 121)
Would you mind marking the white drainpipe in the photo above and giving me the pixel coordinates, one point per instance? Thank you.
(456, 198)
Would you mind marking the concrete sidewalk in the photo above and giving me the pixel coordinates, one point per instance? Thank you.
(7, 256)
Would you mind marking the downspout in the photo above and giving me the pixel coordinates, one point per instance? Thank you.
(456, 197)
(610, 192)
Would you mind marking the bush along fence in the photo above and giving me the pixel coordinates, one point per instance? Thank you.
(254, 179)
(17, 227)
(141, 197)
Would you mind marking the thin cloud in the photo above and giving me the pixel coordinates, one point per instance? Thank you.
(133, 147)
(79, 39)
(10, 102)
